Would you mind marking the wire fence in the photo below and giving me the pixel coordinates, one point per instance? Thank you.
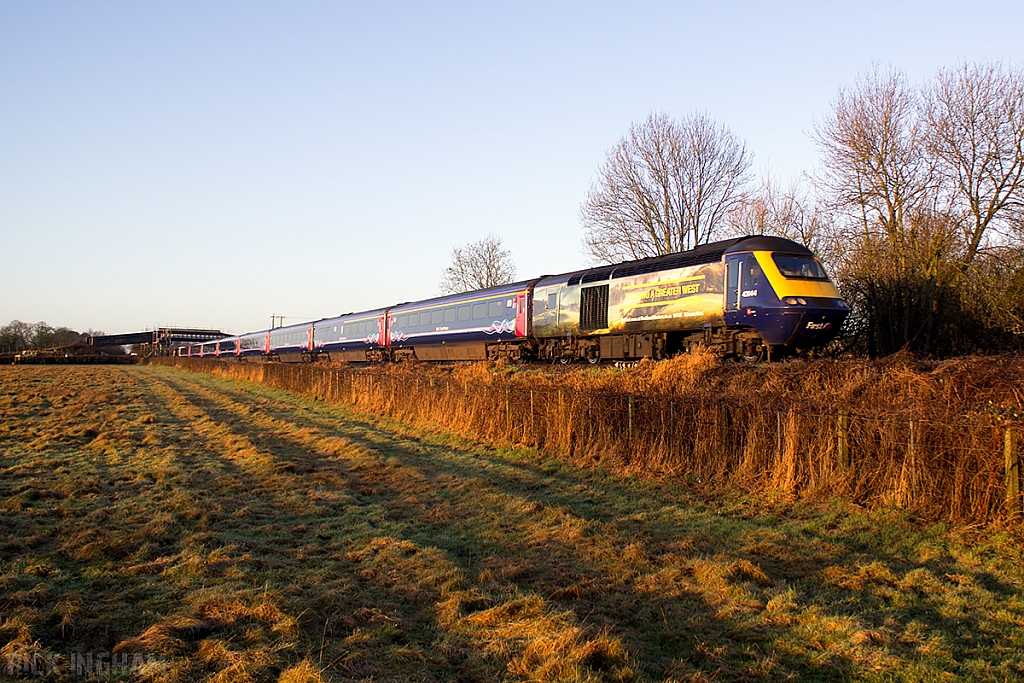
(963, 468)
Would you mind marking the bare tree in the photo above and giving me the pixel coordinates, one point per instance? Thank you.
(882, 190)
(873, 155)
(666, 186)
(478, 265)
(791, 212)
(15, 336)
(18, 336)
(975, 125)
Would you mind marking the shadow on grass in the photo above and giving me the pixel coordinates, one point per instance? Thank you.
(687, 588)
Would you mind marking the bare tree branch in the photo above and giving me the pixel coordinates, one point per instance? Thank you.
(666, 186)
(875, 167)
(478, 265)
(975, 119)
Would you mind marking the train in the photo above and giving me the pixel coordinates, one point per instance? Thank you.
(754, 297)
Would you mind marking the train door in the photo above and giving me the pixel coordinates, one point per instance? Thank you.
(733, 280)
(522, 308)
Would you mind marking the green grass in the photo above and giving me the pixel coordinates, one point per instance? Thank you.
(242, 533)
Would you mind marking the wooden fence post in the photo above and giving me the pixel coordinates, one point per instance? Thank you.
(908, 473)
(629, 428)
(533, 420)
(778, 434)
(843, 437)
(1013, 506)
(508, 411)
(723, 431)
(561, 417)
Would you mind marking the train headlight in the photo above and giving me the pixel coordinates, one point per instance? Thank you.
(794, 300)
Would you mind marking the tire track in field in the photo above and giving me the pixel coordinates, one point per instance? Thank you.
(441, 517)
(304, 544)
(464, 505)
(415, 578)
(420, 470)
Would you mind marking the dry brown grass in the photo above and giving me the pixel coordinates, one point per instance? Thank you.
(924, 437)
(241, 533)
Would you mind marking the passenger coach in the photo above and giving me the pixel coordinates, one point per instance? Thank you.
(750, 297)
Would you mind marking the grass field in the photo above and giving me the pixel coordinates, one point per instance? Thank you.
(208, 529)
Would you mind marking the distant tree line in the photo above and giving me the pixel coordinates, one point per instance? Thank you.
(917, 207)
(17, 336)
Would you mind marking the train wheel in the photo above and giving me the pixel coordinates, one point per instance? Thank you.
(755, 355)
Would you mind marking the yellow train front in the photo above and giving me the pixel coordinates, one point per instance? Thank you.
(780, 290)
(751, 296)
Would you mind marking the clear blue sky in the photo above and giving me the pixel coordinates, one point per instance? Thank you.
(210, 164)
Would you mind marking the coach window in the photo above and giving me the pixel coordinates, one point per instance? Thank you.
(465, 313)
(449, 315)
(495, 309)
(403, 321)
(424, 318)
(479, 311)
(436, 317)
(552, 301)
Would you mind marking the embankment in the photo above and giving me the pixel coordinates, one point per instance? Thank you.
(939, 439)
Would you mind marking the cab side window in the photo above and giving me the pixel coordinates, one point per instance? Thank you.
(751, 273)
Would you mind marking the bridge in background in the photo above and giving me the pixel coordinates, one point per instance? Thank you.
(107, 348)
(159, 342)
